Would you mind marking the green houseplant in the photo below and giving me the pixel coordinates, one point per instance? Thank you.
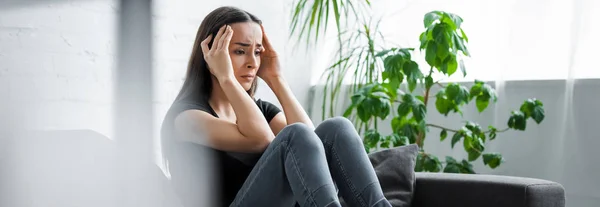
(385, 81)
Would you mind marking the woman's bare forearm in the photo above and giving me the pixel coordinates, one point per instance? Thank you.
(291, 107)
(250, 119)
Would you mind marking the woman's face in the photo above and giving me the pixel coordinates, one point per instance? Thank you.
(244, 49)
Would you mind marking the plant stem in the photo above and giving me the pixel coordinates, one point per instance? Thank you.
(441, 127)
(421, 135)
(375, 123)
(454, 130)
(506, 129)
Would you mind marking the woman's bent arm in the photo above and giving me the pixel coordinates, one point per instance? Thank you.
(291, 107)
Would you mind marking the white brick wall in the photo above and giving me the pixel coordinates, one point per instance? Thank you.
(56, 60)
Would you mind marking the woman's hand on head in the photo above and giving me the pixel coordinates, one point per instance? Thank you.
(269, 66)
(217, 57)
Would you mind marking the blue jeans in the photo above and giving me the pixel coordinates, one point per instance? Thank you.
(301, 166)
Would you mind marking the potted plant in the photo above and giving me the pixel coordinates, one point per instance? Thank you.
(385, 82)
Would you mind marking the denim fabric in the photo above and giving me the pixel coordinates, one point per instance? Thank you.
(303, 167)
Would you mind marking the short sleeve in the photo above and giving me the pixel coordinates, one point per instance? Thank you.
(198, 105)
(268, 109)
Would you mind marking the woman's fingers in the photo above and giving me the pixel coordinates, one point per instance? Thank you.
(204, 45)
(266, 42)
(228, 40)
(218, 37)
(225, 38)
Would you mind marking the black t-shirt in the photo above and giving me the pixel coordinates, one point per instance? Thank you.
(231, 168)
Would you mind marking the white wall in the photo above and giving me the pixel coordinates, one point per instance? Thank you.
(55, 62)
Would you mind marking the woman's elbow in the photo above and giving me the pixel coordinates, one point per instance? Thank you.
(259, 145)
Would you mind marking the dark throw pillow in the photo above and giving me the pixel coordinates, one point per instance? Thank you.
(395, 170)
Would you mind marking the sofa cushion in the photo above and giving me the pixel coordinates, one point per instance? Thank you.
(395, 170)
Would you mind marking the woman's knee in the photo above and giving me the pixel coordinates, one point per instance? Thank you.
(301, 136)
(338, 128)
(337, 123)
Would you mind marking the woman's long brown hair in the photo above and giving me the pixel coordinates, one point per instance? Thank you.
(198, 81)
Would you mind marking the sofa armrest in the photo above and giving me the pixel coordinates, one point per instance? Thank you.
(454, 190)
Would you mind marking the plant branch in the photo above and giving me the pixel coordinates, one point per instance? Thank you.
(421, 135)
(498, 131)
(441, 127)
(454, 130)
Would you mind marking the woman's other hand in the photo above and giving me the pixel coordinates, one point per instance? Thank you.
(269, 67)
(217, 57)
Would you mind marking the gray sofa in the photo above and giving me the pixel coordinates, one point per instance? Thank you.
(95, 155)
(461, 190)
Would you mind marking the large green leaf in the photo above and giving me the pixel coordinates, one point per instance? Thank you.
(349, 110)
(430, 53)
(457, 93)
(413, 74)
(443, 135)
(428, 82)
(473, 146)
(452, 166)
(493, 160)
(476, 89)
(533, 108)
(482, 93)
(538, 114)
(442, 103)
(467, 167)
(410, 103)
(473, 127)
(489, 91)
(461, 64)
(452, 64)
(404, 108)
(492, 132)
(419, 163)
(423, 39)
(419, 111)
(398, 65)
(430, 17)
(431, 163)
(397, 123)
(362, 114)
(457, 136)
(385, 52)
(373, 100)
(456, 20)
(404, 126)
(372, 137)
(398, 140)
(482, 102)
(517, 121)
(464, 36)
(458, 43)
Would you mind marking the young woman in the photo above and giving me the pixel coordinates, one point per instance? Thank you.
(264, 156)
